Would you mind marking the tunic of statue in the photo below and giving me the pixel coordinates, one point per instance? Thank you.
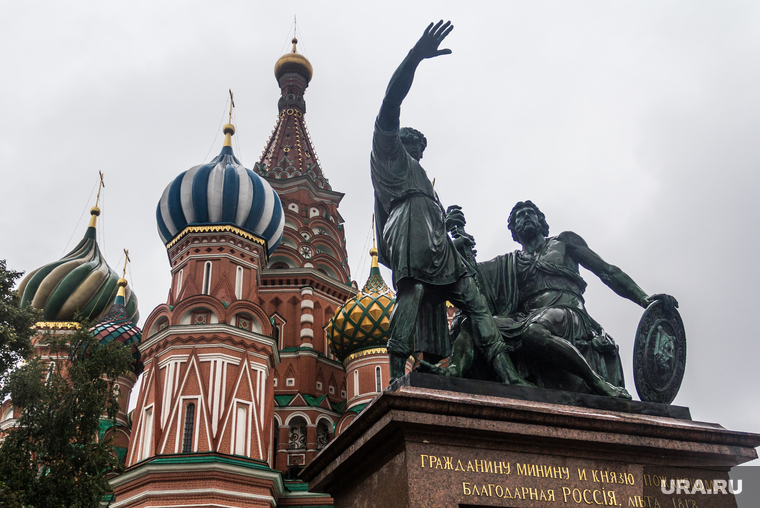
(413, 242)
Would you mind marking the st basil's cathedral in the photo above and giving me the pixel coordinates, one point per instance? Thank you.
(264, 350)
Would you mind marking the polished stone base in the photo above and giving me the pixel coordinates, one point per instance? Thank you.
(417, 446)
(469, 386)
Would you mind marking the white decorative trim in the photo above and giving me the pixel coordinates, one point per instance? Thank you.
(307, 332)
(207, 330)
(190, 468)
(361, 399)
(204, 505)
(302, 415)
(205, 255)
(316, 409)
(307, 318)
(207, 357)
(307, 304)
(8, 424)
(191, 257)
(156, 493)
(307, 291)
(330, 423)
(173, 358)
(181, 414)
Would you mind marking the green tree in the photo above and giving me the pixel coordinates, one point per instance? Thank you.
(56, 456)
(16, 324)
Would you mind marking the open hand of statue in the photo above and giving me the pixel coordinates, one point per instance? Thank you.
(667, 300)
(427, 46)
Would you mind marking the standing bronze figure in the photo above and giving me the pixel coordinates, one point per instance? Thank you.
(413, 241)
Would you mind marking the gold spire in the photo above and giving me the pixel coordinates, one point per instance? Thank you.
(373, 250)
(294, 41)
(95, 211)
(229, 129)
(122, 283)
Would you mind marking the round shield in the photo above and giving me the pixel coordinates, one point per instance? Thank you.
(659, 354)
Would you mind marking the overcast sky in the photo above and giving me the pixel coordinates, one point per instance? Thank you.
(634, 124)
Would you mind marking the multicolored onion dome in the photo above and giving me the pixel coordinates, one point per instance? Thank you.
(293, 62)
(80, 282)
(362, 322)
(116, 325)
(221, 192)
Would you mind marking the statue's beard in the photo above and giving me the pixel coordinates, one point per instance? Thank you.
(527, 230)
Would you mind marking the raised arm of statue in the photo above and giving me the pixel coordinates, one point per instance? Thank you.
(401, 81)
(615, 278)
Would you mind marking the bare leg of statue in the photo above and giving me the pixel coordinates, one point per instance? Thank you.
(538, 341)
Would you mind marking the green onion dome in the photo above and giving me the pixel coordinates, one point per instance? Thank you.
(116, 325)
(79, 283)
(363, 321)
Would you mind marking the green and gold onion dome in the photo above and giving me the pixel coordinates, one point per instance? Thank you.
(362, 322)
(79, 283)
(293, 62)
(116, 325)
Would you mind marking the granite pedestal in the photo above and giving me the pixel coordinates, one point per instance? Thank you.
(431, 441)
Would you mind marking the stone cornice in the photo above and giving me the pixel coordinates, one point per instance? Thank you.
(190, 466)
(287, 185)
(210, 329)
(306, 273)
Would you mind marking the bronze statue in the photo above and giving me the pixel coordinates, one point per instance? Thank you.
(536, 295)
(412, 237)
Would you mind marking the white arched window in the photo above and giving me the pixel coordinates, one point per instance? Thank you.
(239, 283)
(297, 434)
(179, 283)
(187, 437)
(323, 435)
(147, 433)
(206, 278)
(241, 425)
(378, 379)
(356, 383)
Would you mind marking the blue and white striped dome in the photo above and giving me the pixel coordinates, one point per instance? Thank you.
(221, 192)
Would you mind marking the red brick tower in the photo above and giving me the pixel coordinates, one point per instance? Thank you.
(202, 432)
(306, 280)
(240, 389)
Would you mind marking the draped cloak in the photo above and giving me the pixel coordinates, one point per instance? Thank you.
(501, 281)
(412, 237)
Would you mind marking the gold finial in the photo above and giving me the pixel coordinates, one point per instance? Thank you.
(126, 260)
(373, 250)
(229, 129)
(122, 283)
(295, 29)
(101, 184)
(95, 211)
